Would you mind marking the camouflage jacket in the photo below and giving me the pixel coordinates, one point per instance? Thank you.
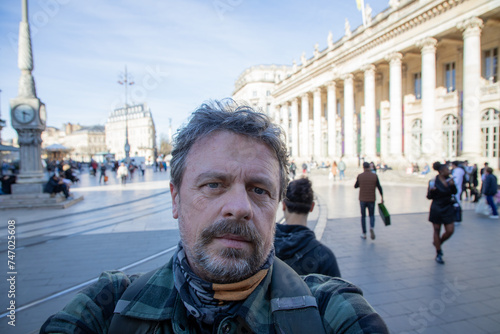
(341, 305)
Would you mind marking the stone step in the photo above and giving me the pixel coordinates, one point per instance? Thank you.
(57, 202)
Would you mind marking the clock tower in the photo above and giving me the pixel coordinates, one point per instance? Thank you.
(28, 117)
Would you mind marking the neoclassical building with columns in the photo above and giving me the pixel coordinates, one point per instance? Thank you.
(418, 83)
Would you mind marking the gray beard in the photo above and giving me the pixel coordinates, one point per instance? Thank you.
(227, 265)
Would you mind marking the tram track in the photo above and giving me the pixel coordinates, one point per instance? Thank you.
(45, 234)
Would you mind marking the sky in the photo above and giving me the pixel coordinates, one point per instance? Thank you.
(178, 53)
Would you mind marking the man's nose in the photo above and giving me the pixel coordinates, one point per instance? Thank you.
(237, 203)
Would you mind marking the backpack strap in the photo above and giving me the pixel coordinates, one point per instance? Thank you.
(121, 324)
(294, 308)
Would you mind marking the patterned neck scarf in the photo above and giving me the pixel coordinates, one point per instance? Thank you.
(205, 300)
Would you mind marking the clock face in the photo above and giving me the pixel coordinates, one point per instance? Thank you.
(24, 113)
(43, 113)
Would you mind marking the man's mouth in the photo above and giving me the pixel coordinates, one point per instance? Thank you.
(233, 240)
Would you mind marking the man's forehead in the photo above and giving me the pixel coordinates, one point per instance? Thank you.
(240, 148)
(238, 144)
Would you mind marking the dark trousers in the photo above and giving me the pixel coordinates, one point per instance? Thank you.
(63, 188)
(491, 202)
(371, 212)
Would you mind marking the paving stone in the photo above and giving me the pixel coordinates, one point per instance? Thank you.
(461, 327)
(396, 271)
(486, 324)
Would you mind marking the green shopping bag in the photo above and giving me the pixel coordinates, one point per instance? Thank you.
(384, 214)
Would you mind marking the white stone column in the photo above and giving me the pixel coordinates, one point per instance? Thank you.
(285, 122)
(396, 103)
(429, 142)
(471, 139)
(349, 115)
(304, 138)
(331, 98)
(295, 127)
(317, 123)
(277, 116)
(370, 139)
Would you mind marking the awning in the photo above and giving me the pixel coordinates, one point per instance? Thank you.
(56, 148)
(9, 148)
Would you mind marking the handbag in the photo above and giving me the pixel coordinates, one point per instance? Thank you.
(384, 214)
(458, 212)
(105, 178)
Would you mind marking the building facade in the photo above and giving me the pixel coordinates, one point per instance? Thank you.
(418, 83)
(52, 135)
(138, 122)
(86, 143)
(83, 142)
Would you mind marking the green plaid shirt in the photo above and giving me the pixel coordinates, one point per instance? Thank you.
(340, 303)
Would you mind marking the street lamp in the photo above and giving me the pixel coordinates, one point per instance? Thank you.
(125, 81)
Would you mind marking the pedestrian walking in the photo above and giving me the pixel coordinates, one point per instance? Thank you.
(103, 173)
(458, 174)
(341, 168)
(122, 172)
(441, 191)
(334, 171)
(304, 168)
(293, 170)
(490, 189)
(367, 182)
(131, 169)
(143, 167)
(474, 183)
(294, 242)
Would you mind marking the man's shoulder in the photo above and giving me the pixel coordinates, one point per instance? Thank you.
(322, 285)
(367, 175)
(343, 306)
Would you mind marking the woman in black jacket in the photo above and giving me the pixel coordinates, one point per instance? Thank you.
(442, 210)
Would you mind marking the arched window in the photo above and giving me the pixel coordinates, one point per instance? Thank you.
(416, 138)
(489, 129)
(450, 137)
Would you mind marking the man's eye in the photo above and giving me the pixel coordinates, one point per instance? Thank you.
(213, 185)
(259, 191)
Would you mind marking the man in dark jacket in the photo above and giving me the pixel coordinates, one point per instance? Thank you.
(367, 182)
(490, 189)
(7, 182)
(294, 242)
(56, 185)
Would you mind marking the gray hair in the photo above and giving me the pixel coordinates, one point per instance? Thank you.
(226, 115)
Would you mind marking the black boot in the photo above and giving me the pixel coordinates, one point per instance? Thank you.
(439, 257)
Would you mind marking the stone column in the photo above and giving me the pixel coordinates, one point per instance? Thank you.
(370, 119)
(331, 98)
(295, 127)
(348, 116)
(285, 126)
(396, 103)
(304, 138)
(317, 123)
(429, 141)
(277, 116)
(471, 138)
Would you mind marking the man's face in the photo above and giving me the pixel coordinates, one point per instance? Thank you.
(226, 206)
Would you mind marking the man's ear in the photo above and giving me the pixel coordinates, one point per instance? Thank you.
(175, 200)
(312, 207)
